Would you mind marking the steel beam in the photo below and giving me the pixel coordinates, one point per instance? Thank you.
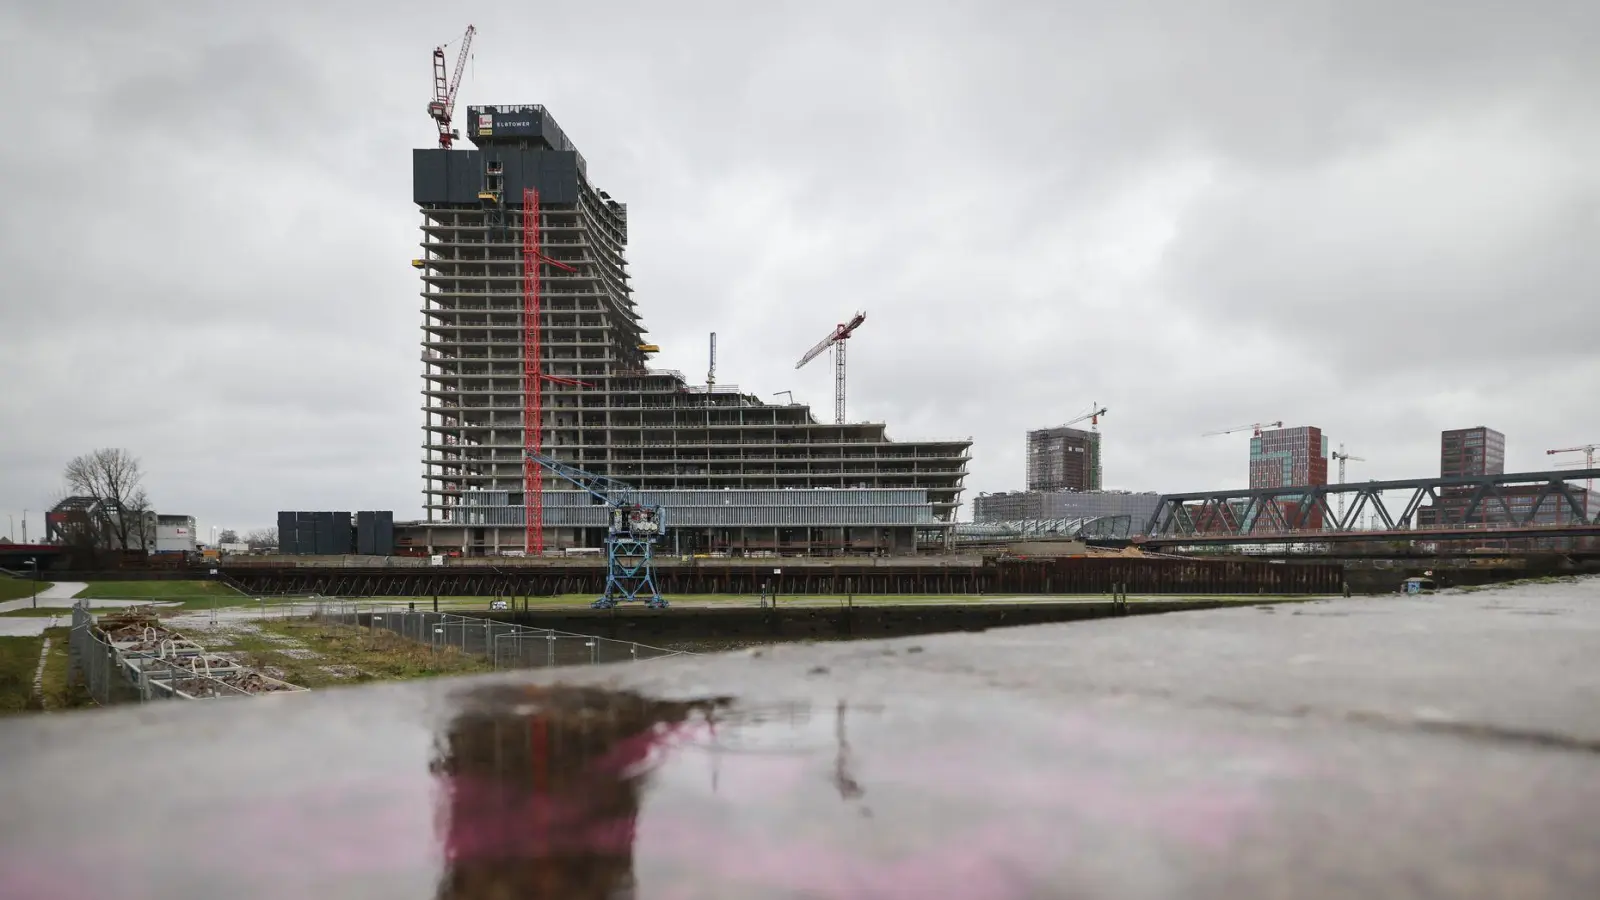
(1240, 514)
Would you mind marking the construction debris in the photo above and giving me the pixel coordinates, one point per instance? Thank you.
(164, 663)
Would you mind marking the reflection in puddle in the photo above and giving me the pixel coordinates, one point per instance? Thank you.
(542, 794)
(541, 788)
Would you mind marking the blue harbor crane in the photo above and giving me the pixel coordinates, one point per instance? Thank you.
(632, 529)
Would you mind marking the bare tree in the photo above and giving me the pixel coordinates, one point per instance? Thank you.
(141, 522)
(112, 478)
(228, 536)
(262, 539)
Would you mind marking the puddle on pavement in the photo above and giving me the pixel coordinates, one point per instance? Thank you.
(586, 793)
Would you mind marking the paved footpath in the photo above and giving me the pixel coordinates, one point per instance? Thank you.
(1433, 747)
(57, 596)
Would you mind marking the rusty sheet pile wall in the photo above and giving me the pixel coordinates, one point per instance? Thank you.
(1053, 576)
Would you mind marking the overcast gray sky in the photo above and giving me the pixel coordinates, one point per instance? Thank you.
(1374, 217)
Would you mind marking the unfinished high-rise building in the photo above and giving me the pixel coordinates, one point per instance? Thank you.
(532, 340)
(1063, 459)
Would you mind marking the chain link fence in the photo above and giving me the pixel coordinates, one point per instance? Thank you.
(151, 663)
(509, 646)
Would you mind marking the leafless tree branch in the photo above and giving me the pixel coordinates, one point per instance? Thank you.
(113, 479)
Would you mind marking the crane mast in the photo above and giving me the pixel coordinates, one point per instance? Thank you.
(1342, 458)
(1588, 463)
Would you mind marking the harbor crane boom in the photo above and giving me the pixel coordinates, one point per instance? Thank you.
(836, 340)
(632, 529)
(443, 104)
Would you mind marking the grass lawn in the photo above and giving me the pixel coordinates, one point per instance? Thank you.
(161, 590)
(58, 694)
(43, 612)
(19, 658)
(19, 588)
(377, 655)
(184, 594)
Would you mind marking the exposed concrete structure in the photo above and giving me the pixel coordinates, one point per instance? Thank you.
(621, 419)
(732, 521)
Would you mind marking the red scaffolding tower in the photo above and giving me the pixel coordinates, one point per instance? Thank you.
(533, 376)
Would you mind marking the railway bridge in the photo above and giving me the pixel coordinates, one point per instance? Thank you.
(1514, 506)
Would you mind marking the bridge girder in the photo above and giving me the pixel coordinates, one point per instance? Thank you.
(1463, 506)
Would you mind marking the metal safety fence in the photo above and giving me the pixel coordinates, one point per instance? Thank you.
(507, 645)
(144, 663)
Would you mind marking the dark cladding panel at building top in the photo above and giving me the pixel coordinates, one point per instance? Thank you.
(456, 176)
(517, 123)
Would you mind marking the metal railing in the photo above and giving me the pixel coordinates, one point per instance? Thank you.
(507, 645)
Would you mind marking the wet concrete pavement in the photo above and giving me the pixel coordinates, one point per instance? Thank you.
(49, 595)
(1435, 747)
(57, 596)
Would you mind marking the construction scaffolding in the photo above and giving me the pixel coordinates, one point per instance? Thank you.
(532, 341)
(1063, 459)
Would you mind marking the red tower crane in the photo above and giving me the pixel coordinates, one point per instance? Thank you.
(1588, 463)
(533, 376)
(443, 104)
(841, 333)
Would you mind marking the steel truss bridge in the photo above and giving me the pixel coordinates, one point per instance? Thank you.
(1487, 507)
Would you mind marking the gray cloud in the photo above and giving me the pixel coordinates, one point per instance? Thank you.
(1369, 217)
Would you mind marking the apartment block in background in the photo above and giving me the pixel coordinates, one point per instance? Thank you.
(1290, 457)
(1465, 452)
(1063, 459)
(1478, 451)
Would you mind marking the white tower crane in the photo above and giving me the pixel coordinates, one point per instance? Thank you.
(1343, 457)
